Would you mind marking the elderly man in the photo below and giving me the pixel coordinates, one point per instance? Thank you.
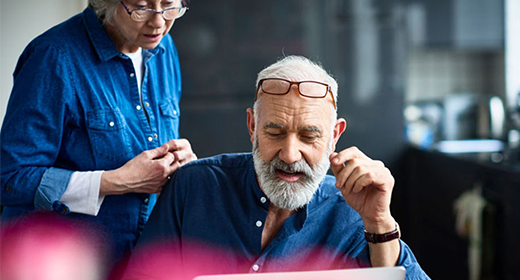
(276, 209)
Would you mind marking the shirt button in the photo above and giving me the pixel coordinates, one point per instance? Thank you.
(175, 112)
(147, 104)
(258, 223)
(138, 107)
(155, 136)
(146, 201)
(263, 199)
(255, 267)
(132, 75)
(111, 124)
(150, 139)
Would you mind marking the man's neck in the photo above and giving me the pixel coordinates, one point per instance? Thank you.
(276, 216)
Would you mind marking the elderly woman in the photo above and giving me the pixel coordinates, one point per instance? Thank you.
(92, 119)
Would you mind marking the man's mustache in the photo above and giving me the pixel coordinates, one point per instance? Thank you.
(301, 166)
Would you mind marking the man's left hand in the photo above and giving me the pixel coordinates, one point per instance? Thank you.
(366, 185)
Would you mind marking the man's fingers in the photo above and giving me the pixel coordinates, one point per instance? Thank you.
(334, 165)
(356, 174)
(362, 182)
(348, 154)
(342, 174)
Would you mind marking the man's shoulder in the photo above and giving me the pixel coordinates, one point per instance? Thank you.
(234, 162)
(217, 174)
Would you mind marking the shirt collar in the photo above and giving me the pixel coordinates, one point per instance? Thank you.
(102, 43)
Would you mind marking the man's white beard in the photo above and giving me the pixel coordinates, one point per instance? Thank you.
(289, 195)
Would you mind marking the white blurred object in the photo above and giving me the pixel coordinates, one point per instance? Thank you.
(497, 117)
(469, 146)
(514, 139)
(469, 209)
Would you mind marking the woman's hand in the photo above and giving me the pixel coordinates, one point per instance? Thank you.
(149, 171)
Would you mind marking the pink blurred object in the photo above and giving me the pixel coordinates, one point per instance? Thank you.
(44, 246)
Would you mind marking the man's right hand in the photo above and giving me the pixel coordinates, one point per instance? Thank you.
(146, 173)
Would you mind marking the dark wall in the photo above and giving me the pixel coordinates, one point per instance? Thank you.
(224, 44)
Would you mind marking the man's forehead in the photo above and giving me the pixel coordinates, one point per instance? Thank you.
(284, 111)
(293, 103)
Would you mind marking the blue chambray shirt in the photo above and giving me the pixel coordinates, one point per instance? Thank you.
(75, 106)
(217, 203)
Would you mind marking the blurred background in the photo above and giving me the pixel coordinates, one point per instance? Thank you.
(431, 87)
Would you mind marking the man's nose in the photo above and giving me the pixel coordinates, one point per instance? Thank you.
(291, 151)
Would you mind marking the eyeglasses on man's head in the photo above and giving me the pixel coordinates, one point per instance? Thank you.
(277, 86)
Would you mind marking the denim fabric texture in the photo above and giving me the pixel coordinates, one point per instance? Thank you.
(75, 106)
(217, 203)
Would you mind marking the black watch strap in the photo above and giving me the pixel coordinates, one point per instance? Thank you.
(380, 238)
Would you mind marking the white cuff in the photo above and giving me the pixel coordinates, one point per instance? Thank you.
(82, 194)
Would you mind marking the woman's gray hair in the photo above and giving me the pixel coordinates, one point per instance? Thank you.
(104, 9)
(298, 68)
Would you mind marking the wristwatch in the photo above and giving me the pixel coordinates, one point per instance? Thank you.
(385, 237)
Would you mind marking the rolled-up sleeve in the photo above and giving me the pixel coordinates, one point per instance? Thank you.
(52, 186)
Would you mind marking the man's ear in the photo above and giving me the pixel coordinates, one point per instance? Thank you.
(251, 123)
(339, 128)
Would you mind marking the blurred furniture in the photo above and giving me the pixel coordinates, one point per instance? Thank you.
(433, 182)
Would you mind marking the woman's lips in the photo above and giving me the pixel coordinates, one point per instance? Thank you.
(152, 37)
(289, 176)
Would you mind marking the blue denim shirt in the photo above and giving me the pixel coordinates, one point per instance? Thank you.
(75, 106)
(217, 203)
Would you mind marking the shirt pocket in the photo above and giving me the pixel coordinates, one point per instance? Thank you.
(108, 137)
(170, 114)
